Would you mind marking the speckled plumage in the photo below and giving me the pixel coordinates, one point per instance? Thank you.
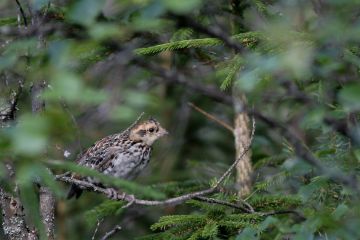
(122, 155)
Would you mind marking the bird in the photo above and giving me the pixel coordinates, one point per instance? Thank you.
(123, 155)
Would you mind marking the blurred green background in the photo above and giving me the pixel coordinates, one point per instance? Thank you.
(105, 62)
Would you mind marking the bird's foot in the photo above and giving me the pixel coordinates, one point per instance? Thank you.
(112, 193)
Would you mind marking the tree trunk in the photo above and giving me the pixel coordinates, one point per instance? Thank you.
(46, 197)
(242, 132)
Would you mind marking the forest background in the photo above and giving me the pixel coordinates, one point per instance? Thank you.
(261, 99)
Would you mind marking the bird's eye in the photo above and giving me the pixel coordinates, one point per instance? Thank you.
(151, 130)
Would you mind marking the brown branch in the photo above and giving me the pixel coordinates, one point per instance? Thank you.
(174, 77)
(171, 201)
(211, 117)
(271, 213)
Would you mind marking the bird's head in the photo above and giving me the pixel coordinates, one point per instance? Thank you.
(148, 131)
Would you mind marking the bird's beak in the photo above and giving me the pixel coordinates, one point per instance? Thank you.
(163, 132)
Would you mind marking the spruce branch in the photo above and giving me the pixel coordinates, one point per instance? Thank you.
(247, 209)
(248, 38)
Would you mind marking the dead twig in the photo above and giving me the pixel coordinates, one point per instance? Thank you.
(23, 15)
(111, 232)
(248, 209)
(211, 117)
(97, 228)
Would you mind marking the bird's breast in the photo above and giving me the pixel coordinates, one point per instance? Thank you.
(129, 163)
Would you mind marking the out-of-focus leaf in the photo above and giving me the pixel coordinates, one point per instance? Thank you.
(248, 234)
(85, 11)
(26, 176)
(30, 135)
(6, 61)
(308, 190)
(124, 113)
(106, 31)
(183, 6)
(69, 87)
(8, 21)
(105, 209)
(39, 4)
(47, 178)
(340, 211)
(349, 96)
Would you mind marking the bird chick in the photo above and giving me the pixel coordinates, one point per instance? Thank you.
(123, 155)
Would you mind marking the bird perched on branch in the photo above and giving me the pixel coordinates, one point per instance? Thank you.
(122, 155)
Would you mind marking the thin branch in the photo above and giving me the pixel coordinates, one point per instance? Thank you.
(212, 117)
(248, 209)
(111, 232)
(136, 122)
(174, 77)
(97, 228)
(271, 213)
(23, 15)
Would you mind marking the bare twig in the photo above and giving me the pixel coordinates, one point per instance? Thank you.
(134, 123)
(23, 15)
(97, 228)
(248, 209)
(174, 77)
(212, 117)
(271, 213)
(111, 232)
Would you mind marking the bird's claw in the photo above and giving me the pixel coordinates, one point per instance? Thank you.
(112, 193)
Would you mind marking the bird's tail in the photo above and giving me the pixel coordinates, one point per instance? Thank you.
(74, 191)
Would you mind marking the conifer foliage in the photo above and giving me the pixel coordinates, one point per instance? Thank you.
(96, 65)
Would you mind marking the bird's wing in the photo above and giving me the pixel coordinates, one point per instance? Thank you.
(96, 151)
(105, 161)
